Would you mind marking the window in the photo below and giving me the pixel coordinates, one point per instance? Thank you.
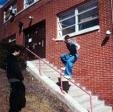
(10, 12)
(27, 3)
(78, 20)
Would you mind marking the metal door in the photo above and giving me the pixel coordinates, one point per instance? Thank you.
(35, 39)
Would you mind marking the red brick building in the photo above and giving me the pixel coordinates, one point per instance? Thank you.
(33, 23)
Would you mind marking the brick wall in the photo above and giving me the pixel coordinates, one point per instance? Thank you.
(94, 69)
(20, 5)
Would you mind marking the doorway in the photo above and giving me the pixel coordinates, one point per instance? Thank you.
(35, 38)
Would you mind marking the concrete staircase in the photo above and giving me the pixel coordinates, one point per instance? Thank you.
(45, 68)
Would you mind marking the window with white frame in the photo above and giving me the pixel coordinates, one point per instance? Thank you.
(79, 20)
(27, 3)
(10, 12)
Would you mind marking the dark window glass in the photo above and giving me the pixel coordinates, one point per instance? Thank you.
(88, 5)
(88, 15)
(68, 22)
(88, 24)
(28, 2)
(68, 30)
(66, 15)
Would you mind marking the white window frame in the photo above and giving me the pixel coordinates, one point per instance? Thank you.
(26, 5)
(11, 8)
(60, 36)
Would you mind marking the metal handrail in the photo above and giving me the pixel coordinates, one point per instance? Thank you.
(61, 74)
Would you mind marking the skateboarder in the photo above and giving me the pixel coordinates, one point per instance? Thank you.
(68, 59)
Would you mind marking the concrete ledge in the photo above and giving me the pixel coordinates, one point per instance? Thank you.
(53, 88)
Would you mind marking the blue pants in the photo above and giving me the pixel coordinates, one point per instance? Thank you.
(68, 60)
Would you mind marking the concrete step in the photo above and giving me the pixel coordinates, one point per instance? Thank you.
(95, 103)
(46, 67)
(82, 98)
(86, 98)
(51, 74)
(53, 79)
(75, 86)
(40, 61)
(43, 66)
(75, 92)
(103, 108)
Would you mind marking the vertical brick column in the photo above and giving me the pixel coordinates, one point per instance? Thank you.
(20, 5)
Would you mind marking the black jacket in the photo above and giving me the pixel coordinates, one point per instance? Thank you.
(12, 68)
(71, 46)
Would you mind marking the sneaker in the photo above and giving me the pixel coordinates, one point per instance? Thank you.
(63, 68)
(67, 76)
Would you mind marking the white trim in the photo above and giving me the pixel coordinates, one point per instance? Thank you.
(13, 9)
(81, 32)
(87, 10)
(77, 23)
(59, 29)
(27, 6)
(68, 26)
(67, 18)
(76, 20)
(88, 19)
(86, 30)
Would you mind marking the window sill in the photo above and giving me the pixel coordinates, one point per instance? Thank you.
(81, 32)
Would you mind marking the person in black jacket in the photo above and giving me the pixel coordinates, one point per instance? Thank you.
(17, 89)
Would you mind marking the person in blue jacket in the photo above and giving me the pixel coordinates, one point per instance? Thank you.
(68, 59)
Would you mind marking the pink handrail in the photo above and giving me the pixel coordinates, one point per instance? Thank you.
(61, 74)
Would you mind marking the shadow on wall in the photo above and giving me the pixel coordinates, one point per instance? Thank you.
(105, 40)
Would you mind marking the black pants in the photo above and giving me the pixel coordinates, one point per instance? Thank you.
(65, 85)
(17, 97)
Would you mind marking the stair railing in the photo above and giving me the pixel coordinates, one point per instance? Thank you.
(61, 75)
